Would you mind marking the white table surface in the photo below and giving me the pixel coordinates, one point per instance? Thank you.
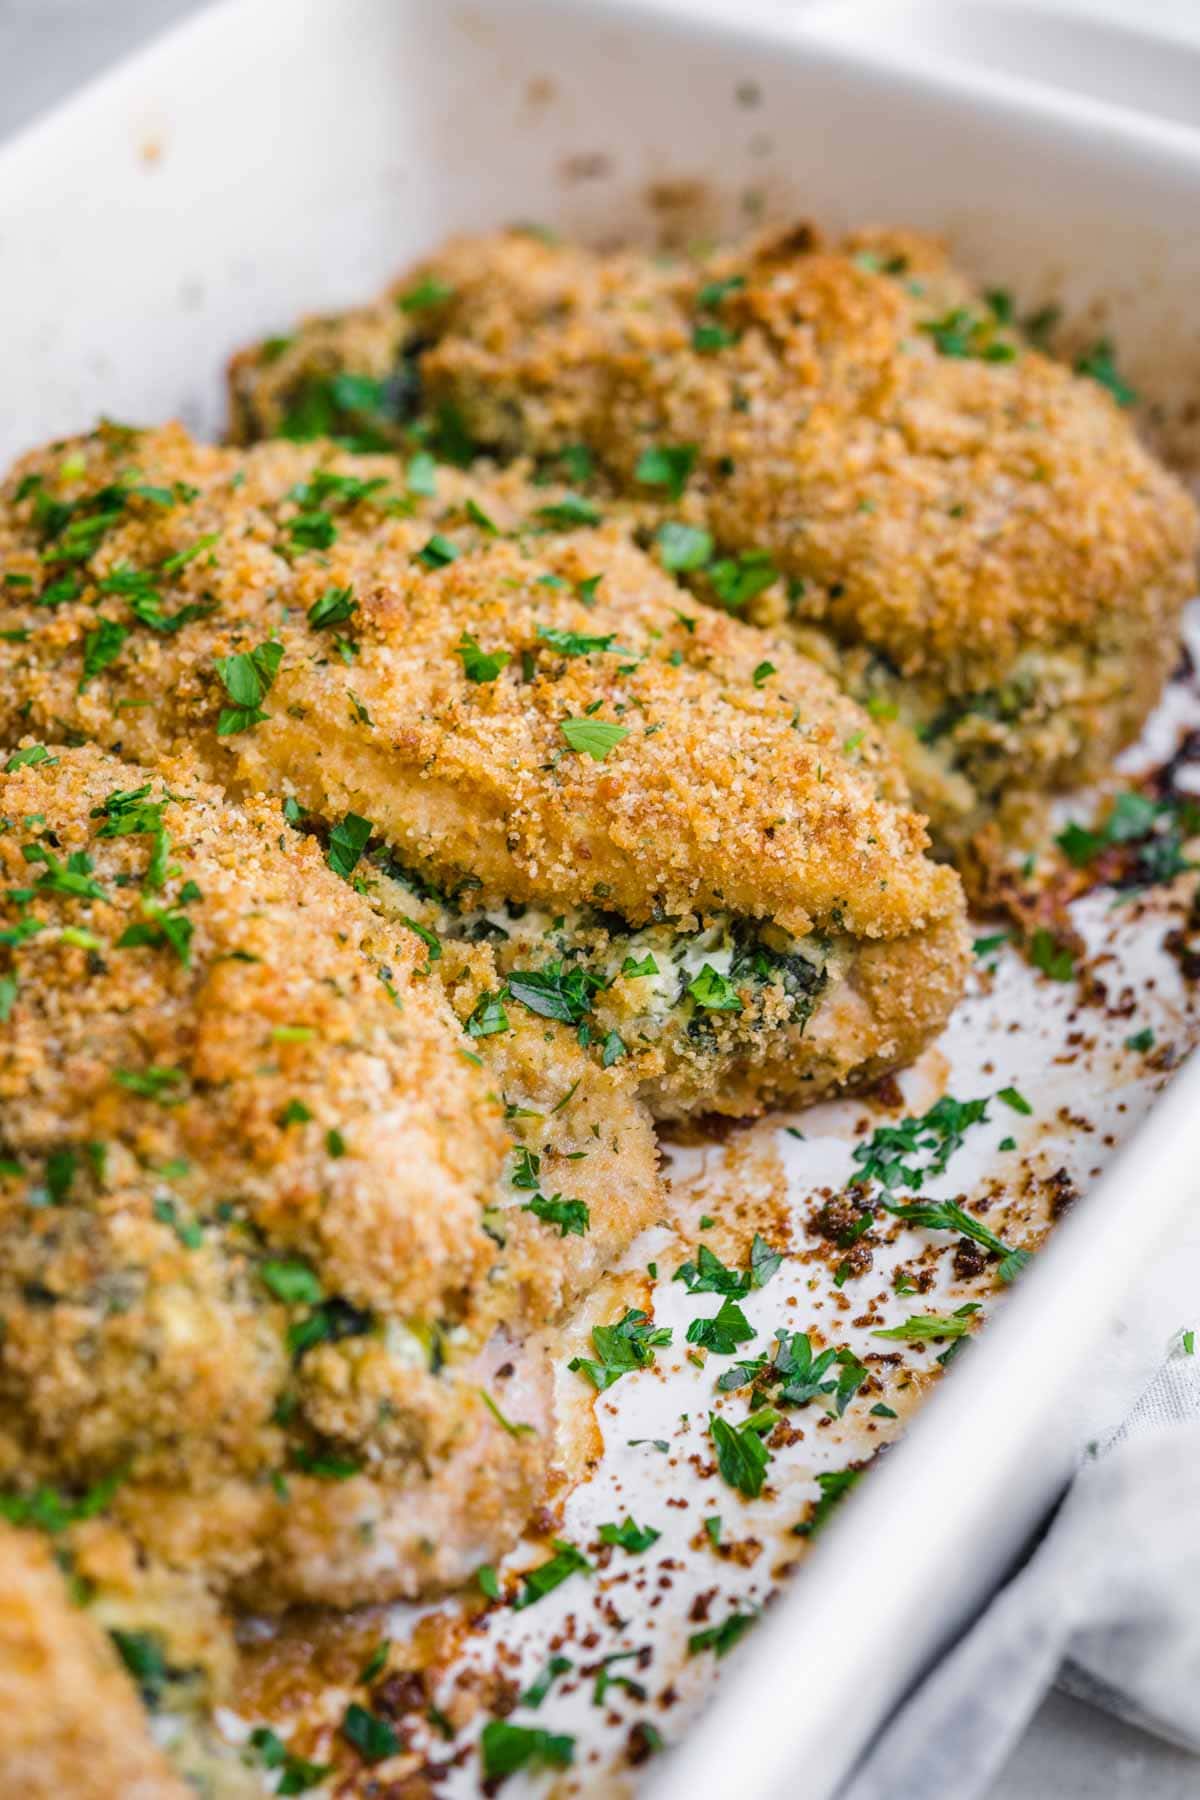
(1070, 1752)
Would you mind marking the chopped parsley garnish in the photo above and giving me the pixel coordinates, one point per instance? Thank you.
(1153, 833)
(428, 292)
(429, 938)
(505, 1748)
(347, 842)
(605, 1678)
(537, 1583)
(128, 812)
(742, 1455)
(1052, 958)
(683, 547)
(920, 1327)
(721, 1638)
(571, 1216)
(72, 878)
(714, 992)
(151, 1084)
(736, 580)
(324, 1465)
(892, 1152)
(161, 927)
(557, 991)
(570, 511)
(573, 643)
(629, 1536)
(487, 1016)
(666, 465)
(962, 333)
(371, 1736)
(313, 530)
(291, 1281)
(327, 1323)
(1100, 363)
(1012, 1096)
(947, 1215)
(834, 1484)
(516, 1428)
(479, 665)
(709, 335)
(763, 673)
(544, 1680)
(1141, 1040)
(144, 1655)
(336, 606)
(527, 1168)
(478, 517)
(578, 463)
(721, 1334)
(713, 294)
(247, 679)
(487, 1581)
(47, 1509)
(439, 552)
(421, 476)
(187, 1231)
(799, 1373)
(29, 758)
(101, 647)
(709, 1275)
(647, 966)
(593, 737)
(296, 1775)
(629, 1344)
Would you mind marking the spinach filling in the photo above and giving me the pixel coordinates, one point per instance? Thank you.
(619, 985)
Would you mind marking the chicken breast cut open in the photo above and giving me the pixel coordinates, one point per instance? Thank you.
(847, 441)
(266, 1272)
(678, 839)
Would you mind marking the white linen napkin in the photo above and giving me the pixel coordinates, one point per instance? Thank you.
(1108, 1606)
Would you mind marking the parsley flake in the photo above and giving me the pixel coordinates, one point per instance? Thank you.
(593, 737)
(629, 1344)
(247, 679)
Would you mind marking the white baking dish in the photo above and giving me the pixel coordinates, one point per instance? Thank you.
(279, 154)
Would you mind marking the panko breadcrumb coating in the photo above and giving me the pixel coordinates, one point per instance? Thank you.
(504, 703)
(71, 1726)
(848, 442)
(259, 1275)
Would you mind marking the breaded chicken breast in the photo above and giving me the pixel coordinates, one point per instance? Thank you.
(848, 442)
(259, 1273)
(93, 1640)
(503, 702)
(71, 1725)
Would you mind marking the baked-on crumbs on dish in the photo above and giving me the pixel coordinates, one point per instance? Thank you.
(849, 442)
(678, 837)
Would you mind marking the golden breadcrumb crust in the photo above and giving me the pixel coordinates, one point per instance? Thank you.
(71, 1726)
(772, 800)
(974, 519)
(514, 698)
(243, 1201)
